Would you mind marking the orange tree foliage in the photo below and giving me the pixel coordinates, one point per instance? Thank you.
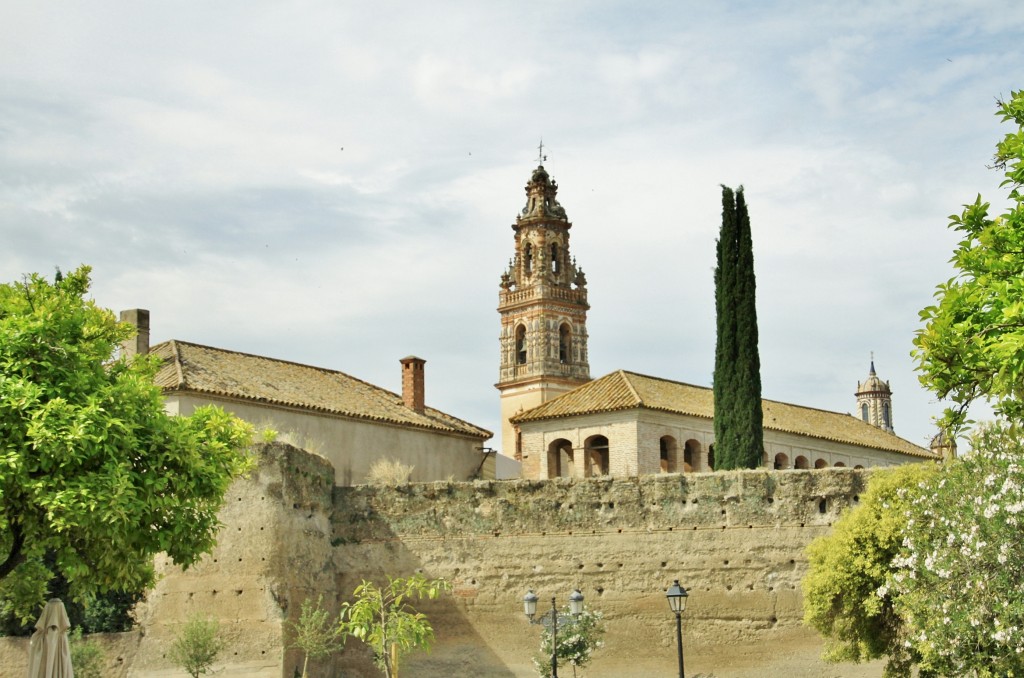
(95, 478)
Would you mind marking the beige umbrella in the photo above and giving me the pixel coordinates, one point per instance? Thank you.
(49, 655)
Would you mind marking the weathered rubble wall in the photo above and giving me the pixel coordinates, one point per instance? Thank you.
(735, 540)
(273, 552)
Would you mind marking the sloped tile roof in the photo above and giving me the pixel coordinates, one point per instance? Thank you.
(197, 369)
(623, 390)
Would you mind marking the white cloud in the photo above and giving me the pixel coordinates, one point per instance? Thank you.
(830, 72)
(463, 88)
(193, 154)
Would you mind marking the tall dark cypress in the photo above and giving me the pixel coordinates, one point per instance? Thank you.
(747, 399)
(737, 380)
(724, 382)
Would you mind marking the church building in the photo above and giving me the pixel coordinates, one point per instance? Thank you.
(559, 423)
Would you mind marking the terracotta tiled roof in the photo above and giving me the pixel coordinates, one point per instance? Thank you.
(627, 390)
(196, 369)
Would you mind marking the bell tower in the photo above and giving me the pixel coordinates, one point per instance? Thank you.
(543, 307)
(874, 400)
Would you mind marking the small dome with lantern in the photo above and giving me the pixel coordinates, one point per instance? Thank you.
(874, 400)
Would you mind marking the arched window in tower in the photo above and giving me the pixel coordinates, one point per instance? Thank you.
(864, 411)
(521, 345)
(556, 262)
(885, 416)
(564, 343)
(528, 258)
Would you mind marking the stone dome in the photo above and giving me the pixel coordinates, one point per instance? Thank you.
(873, 384)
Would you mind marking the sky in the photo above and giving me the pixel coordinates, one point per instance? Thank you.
(335, 183)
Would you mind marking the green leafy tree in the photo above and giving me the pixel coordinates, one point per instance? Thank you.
(316, 633)
(926, 571)
(957, 581)
(111, 612)
(972, 344)
(95, 478)
(846, 596)
(578, 639)
(196, 646)
(739, 436)
(382, 618)
(105, 612)
(944, 555)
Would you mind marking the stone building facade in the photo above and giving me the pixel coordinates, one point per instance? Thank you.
(346, 420)
(626, 424)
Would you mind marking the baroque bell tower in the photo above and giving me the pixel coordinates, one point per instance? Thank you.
(543, 307)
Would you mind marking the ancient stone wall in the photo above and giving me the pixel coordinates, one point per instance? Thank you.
(273, 552)
(736, 540)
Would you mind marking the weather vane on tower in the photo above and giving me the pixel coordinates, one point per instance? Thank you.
(540, 153)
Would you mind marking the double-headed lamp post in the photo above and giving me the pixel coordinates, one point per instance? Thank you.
(575, 609)
(676, 596)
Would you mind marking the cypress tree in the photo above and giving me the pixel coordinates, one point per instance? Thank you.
(737, 380)
(725, 342)
(748, 394)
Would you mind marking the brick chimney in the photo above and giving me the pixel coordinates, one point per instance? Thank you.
(139, 344)
(412, 382)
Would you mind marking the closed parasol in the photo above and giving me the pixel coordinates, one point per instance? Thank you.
(49, 655)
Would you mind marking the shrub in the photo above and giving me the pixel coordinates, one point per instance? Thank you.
(848, 569)
(578, 638)
(86, 656)
(196, 646)
(389, 472)
(957, 581)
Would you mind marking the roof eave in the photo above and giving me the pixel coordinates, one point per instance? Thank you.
(923, 454)
(474, 433)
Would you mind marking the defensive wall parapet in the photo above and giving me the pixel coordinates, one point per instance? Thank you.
(735, 539)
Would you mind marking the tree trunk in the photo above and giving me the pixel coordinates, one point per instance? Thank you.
(16, 556)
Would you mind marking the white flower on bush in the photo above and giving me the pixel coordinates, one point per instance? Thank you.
(963, 560)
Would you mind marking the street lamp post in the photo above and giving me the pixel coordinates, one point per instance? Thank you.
(676, 596)
(552, 621)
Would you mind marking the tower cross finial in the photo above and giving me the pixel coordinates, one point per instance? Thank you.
(540, 153)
